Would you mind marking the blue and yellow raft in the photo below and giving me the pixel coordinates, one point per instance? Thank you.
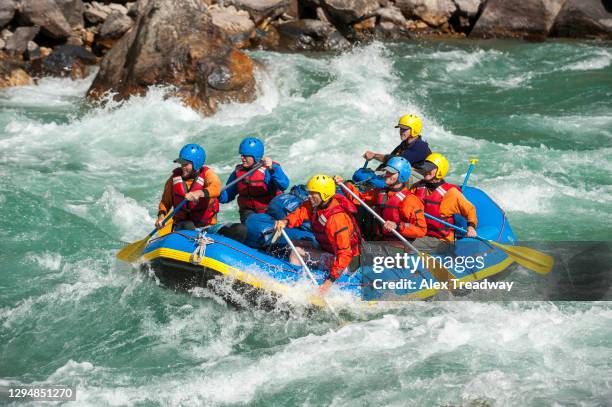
(188, 259)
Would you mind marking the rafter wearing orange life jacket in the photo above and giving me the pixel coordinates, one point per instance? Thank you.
(204, 211)
(334, 228)
(399, 206)
(443, 200)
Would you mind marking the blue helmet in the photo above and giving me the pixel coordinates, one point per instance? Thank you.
(401, 165)
(252, 146)
(194, 154)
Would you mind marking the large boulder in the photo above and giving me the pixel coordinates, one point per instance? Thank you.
(115, 25)
(96, 13)
(12, 73)
(259, 10)
(531, 19)
(65, 61)
(73, 11)
(47, 15)
(7, 11)
(434, 12)
(310, 35)
(236, 25)
(174, 42)
(17, 43)
(584, 19)
(347, 12)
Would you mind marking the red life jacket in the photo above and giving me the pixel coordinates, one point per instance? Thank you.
(253, 192)
(202, 212)
(432, 206)
(319, 219)
(389, 209)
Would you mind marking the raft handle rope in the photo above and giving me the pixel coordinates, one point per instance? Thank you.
(200, 251)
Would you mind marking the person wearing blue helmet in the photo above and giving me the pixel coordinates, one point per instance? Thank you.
(195, 182)
(255, 191)
(399, 207)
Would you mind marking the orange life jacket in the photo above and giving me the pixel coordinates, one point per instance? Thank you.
(319, 219)
(432, 204)
(253, 192)
(202, 212)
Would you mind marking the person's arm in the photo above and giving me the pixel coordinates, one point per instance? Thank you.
(229, 194)
(413, 209)
(212, 185)
(338, 230)
(298, 216)
(455, 203)
(167, 200)
(278, 177)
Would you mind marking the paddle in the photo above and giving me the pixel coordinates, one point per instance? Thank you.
(440, 272)
(132, 251)
(529, 258)
(303, 263)
(473, 162)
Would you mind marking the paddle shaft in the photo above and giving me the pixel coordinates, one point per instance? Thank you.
(450, 225)
(380, 219)
(184, 201)
(307, 269)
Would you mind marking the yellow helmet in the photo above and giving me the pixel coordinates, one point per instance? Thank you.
(440, 162)
(323, 184)
(412, 121)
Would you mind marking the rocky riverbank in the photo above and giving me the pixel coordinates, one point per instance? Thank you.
(196, 45)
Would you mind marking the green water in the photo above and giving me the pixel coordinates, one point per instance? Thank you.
(77, 180)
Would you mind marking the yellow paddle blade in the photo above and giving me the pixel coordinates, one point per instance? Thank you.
(275, 237)
(133, 251)
(529, 258)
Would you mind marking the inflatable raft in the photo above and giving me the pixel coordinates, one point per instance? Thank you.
(189, 259)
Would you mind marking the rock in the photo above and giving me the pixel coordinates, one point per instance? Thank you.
(17, 43)
(293, 10)
(387, 30)
(235, 24)
(7, 11)
(174, 42)
(267, 38)
(88, 37)
(321, 15)
(434, 12)
(45, 52)
(259, 10)
(584, 19)
(12, 74)
(132, 9)
(531, 19)
(47, 15)
(6, 34)
(2, 43)
(347, 12)
(73, 12)
(118, 7)
(32, 51)
(95, 12)
(310, 35)
(64, 61)
(364, 29)
(115, 25)
(469, 8)
(391, 14)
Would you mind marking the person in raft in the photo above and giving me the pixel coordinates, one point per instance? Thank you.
(412, 147)
(257, 190)
(442, 199)
(400, 208)
(195, 182)
(332, 222)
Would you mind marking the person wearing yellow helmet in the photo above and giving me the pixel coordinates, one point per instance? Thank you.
(442, 199)
(412, 147)
(332, 222)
